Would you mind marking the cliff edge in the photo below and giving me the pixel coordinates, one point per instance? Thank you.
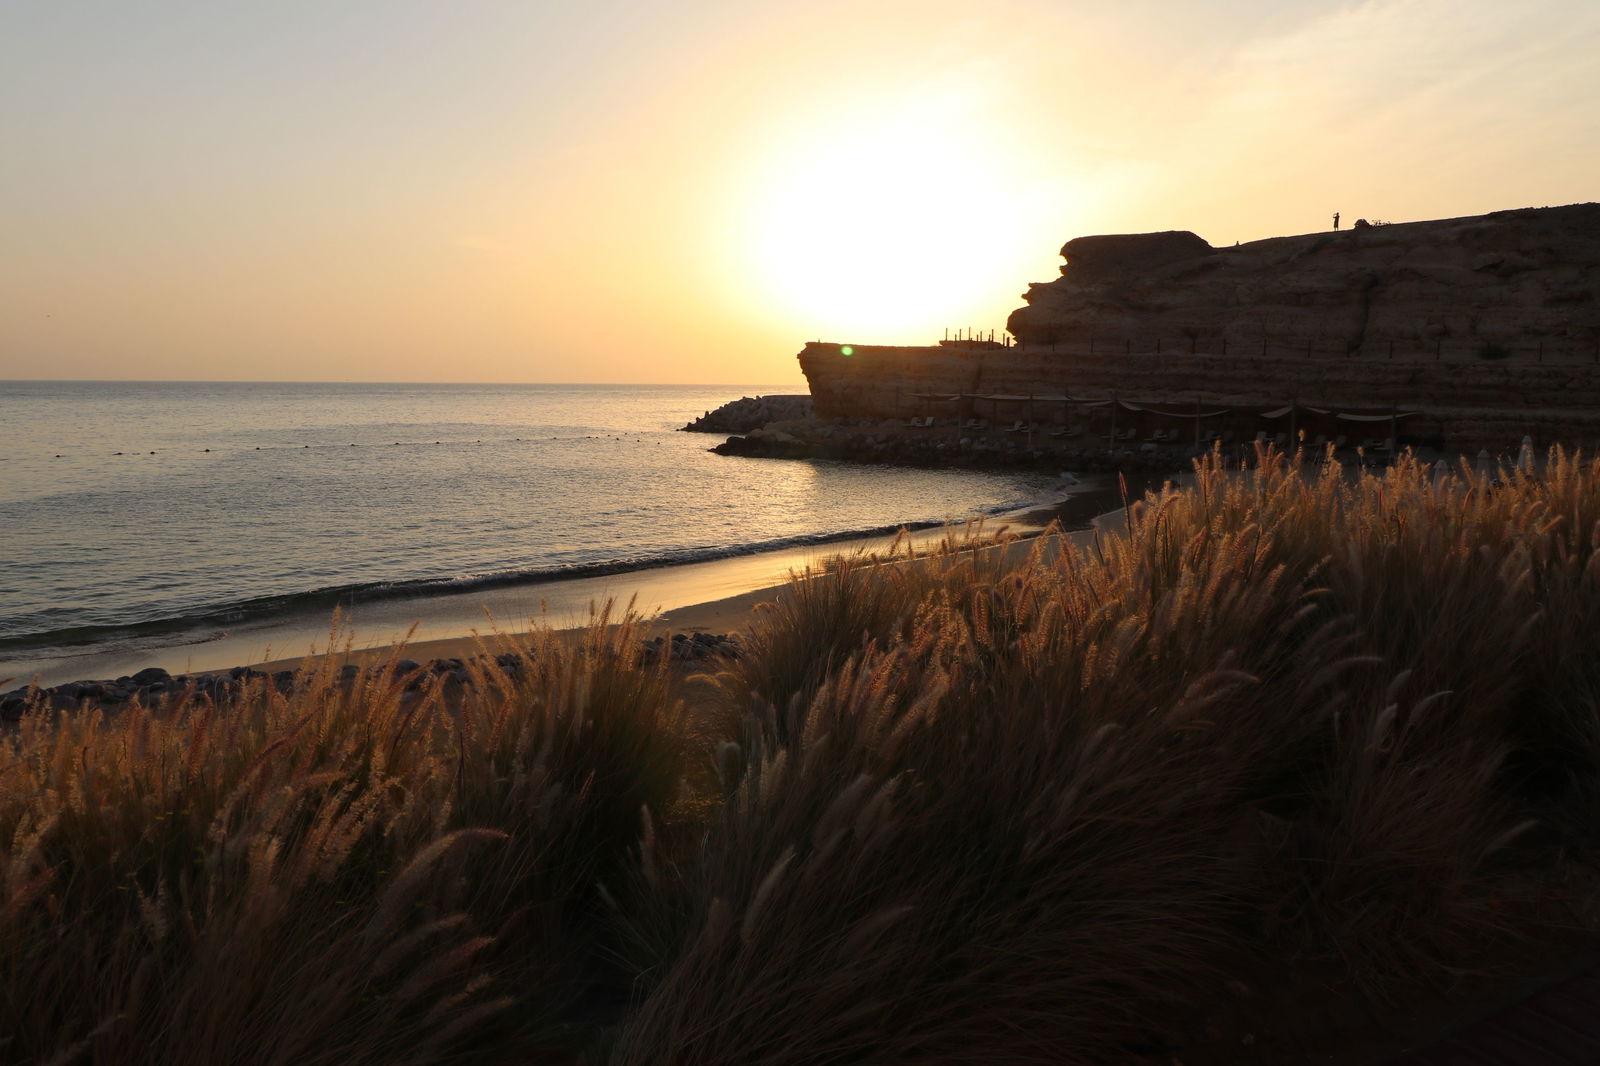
(1509, 280)
(1482, 330)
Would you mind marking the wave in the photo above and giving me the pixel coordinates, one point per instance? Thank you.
(74, 639)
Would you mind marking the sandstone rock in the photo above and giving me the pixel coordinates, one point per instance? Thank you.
(1488, 327)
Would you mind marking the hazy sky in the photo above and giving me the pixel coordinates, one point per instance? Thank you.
(687, 191)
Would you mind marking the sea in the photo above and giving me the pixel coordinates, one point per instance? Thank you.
(137, 516)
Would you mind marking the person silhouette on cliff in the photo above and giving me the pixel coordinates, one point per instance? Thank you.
(1336, 220)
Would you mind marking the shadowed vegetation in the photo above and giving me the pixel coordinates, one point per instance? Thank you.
(1298, 738)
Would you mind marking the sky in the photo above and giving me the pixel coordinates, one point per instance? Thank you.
(688, 191)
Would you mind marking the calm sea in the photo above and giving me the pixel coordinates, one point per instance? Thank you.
(129, 510)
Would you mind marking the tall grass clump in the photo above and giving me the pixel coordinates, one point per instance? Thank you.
(1301, 749)
(381, 873)
(1297, 730)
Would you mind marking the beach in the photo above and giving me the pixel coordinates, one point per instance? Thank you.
(717, 596)
(231, 536)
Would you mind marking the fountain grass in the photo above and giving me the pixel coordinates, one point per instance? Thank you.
(1297, 730)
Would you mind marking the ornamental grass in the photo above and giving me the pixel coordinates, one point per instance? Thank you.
(1296, 737)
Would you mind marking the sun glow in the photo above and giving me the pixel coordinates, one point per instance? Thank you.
(887, 227)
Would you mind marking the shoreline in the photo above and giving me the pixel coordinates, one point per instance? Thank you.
(709, 629)
(696, 596)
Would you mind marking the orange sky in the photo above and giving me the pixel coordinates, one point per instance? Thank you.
(656, 192)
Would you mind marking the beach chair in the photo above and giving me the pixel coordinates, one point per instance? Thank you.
(1227, 436)
(1320, 442)
(977, 423)
(1017, 426)
(1340, 441)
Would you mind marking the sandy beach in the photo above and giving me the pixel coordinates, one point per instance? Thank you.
(712, 596)
(1082, 518)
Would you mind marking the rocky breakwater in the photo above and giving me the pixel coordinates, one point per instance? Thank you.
(1485, 329)
(890, 442)
(751, 412)
(155, 686)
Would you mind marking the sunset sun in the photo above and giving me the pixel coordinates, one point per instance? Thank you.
(886, 226)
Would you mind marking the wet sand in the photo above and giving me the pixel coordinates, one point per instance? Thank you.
(733, 614)
(716, 595)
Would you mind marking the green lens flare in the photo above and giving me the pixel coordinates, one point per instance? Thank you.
(847, 350)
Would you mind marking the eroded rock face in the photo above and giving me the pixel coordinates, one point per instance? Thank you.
(1487, 326)
(1111, 256)
(1512, 279)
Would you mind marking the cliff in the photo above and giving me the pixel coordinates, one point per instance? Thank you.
(1511, 279)
(1488, 327)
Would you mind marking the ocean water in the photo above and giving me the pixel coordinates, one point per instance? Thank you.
(133, 510)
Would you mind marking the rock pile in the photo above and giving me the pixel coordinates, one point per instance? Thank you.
(155, 685)
(751, 412)
(697, 648)
(872, 442)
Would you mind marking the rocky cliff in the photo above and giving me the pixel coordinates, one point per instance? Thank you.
(1512, 279)
(1488, 327)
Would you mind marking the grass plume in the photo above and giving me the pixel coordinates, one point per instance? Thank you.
(1104, 800)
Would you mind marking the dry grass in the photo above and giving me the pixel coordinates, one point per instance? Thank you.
(1295, 727)
(340, 876)
(1295, 723)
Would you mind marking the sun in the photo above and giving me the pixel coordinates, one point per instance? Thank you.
(886, 226)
